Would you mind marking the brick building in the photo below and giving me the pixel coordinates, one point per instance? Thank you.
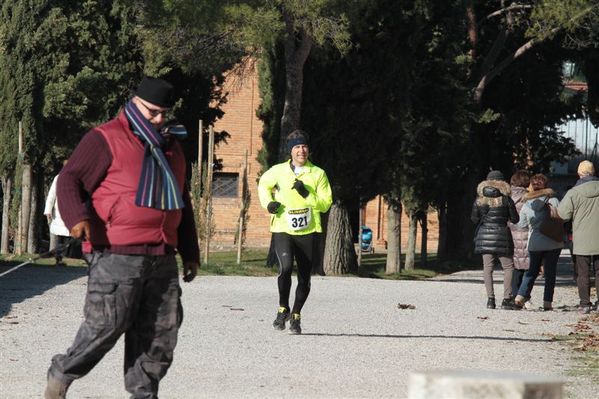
(245, 128)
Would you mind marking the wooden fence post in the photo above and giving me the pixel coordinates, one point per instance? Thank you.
(244, 206)
(208, 193)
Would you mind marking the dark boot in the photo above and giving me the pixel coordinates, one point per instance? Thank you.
(507, 304)
(491, 303)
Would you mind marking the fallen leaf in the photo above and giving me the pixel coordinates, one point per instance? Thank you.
(405, 306)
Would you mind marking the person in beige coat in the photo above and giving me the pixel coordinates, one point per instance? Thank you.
(581, 206)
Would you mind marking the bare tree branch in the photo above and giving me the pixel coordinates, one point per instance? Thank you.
(511, 7)
(488, 77)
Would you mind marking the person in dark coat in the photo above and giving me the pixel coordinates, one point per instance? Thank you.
(519, 183)
(491, 212)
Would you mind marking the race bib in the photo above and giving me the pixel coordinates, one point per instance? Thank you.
(299, 219)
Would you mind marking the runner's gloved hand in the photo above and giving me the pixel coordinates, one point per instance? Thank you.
(273, 206)
(298, 185)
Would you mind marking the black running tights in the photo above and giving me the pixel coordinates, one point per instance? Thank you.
(288, 247)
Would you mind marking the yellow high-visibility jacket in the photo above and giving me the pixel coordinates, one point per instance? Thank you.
(296, 215)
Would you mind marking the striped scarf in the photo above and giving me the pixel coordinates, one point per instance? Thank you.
(158, 187)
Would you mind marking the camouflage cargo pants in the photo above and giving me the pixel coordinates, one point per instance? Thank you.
(135, 295)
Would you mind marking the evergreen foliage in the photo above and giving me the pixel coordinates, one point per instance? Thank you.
(271, 83)
(68, 66)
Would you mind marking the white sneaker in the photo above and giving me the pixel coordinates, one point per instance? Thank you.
(528, 305)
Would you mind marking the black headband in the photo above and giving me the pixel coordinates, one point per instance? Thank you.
(296, 141)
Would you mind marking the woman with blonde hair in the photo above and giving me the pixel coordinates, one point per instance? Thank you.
(491, 211)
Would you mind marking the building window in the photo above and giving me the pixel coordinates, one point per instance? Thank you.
(225, 185)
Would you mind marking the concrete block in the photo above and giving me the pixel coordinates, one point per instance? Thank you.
(478, 384)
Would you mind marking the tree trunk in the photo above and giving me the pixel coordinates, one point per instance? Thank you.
(25, 208)
(7, 199)
(411, 251)
(297, 49)
(590, 69)
(319, 246)
(442, 243)
(339, 253)
(33, 219)
(424, 239)
(393, 265)
(460, 230)
(472, 29)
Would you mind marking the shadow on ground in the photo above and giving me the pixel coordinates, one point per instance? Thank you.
(32, 280)
(564, 275)
(466, 337)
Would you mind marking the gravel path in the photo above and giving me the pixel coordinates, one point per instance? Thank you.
(357, 343)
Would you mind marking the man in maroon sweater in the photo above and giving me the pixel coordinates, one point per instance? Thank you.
(123, 192)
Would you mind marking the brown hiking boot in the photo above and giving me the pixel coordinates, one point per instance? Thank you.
(56, 389)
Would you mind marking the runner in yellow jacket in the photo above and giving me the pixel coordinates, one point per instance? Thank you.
(295, 192)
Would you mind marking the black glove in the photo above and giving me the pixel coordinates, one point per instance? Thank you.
(298, 185)
(273, 206)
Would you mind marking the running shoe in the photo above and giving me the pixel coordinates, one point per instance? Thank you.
(294, 325)
(282, 316)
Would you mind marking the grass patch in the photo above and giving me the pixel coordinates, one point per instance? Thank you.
(373, 266)
(13, 260)
(253, 263)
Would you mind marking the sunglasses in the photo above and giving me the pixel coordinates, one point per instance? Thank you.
(154, 112)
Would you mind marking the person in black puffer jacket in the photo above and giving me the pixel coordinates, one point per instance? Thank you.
(491, 212)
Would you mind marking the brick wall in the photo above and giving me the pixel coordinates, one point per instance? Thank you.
(245, 128)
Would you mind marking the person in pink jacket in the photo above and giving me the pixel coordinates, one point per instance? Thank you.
(519, 183)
